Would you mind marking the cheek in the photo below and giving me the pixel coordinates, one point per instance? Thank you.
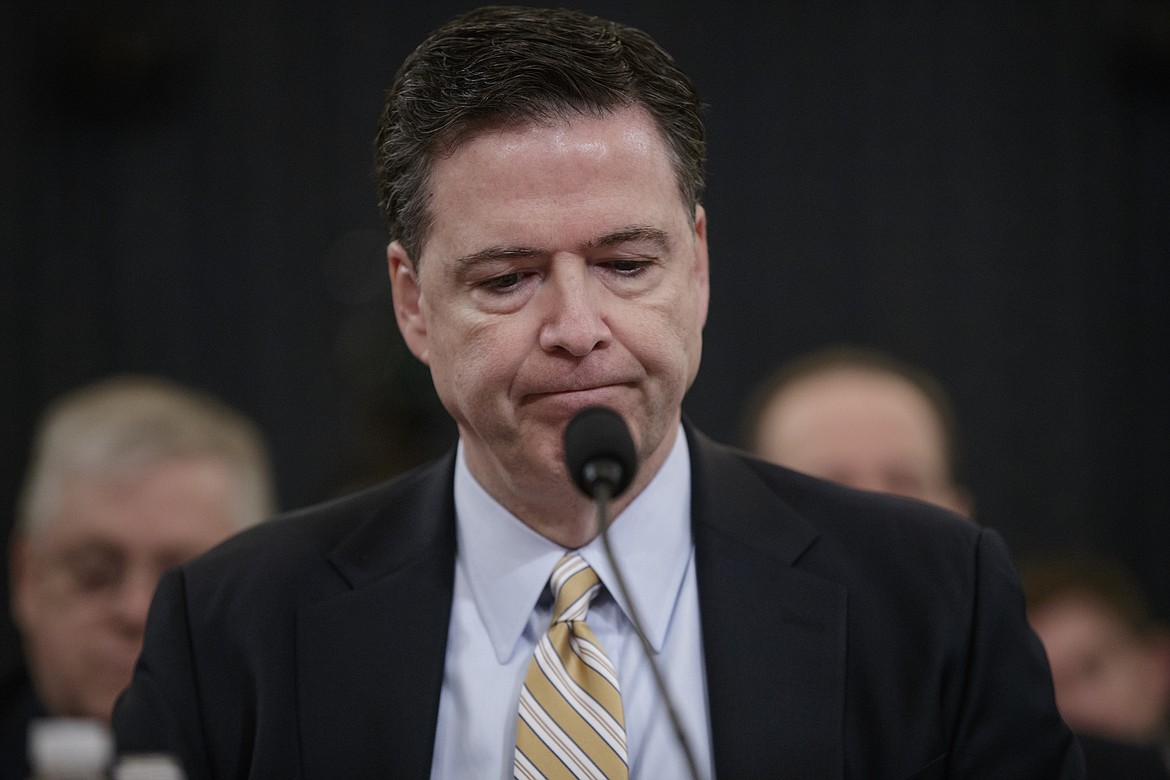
(688, 314)
(667, 340)
(694, 347)
(64, 637)
(74, 616)
(43, 601)
(469, 364)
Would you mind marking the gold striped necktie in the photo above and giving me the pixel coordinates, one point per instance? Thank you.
(571, 723)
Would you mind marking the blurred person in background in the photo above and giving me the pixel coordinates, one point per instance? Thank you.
(128, 477)
(867, 420)
(863, 419)
(1110, 658)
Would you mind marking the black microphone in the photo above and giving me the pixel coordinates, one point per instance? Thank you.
(601, 459)
(599, 452)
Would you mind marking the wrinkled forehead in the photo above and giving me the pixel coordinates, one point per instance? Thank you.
(457, 141)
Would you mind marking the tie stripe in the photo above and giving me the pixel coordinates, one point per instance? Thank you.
(570, 723)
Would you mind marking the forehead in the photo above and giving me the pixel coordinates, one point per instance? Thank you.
(521, 178)
(859, 400)
(1076, 616)
(171, 501)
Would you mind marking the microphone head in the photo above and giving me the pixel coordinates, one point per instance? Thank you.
(599, 451)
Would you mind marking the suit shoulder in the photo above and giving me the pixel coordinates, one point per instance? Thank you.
(890, 544)
(292, 552)
(826, 525)
(829, 503)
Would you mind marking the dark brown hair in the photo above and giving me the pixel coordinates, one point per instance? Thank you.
(499, 66)
(1101, 580)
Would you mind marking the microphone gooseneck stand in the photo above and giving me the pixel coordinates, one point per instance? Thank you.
(601, 459)
(602, 497)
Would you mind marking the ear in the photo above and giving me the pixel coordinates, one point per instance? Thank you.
(702, 270)
(407, 296)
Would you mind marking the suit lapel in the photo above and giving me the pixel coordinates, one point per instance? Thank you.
(773, 634)
(377, 648)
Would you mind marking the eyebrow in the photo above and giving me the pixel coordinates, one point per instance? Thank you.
(633, 234)
(494, 254)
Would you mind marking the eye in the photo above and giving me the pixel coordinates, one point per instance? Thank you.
(94, 573)
(1091, 667)
(629, 267)
(502, 284)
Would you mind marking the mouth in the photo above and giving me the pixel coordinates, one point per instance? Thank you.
(576, 398)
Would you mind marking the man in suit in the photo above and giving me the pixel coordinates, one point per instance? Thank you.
(541, 172)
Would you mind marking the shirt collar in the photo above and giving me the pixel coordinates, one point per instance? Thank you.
(508, 564)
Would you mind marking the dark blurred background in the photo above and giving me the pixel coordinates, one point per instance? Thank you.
(979, 188)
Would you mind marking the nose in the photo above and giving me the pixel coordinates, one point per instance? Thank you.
(133, 600)
(574, 321)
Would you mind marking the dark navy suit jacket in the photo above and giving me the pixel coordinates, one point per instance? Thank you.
(845, 635)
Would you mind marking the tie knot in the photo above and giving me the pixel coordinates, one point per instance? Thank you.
(574, 584)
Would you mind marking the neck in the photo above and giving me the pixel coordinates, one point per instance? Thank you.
(565, 516)
(549, 503)
(576, 528)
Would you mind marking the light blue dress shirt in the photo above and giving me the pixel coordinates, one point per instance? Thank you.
(502, 606)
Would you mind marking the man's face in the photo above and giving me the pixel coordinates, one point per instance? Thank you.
(82, 584)
(1108, 680)
(561, 271)
(862, 429)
